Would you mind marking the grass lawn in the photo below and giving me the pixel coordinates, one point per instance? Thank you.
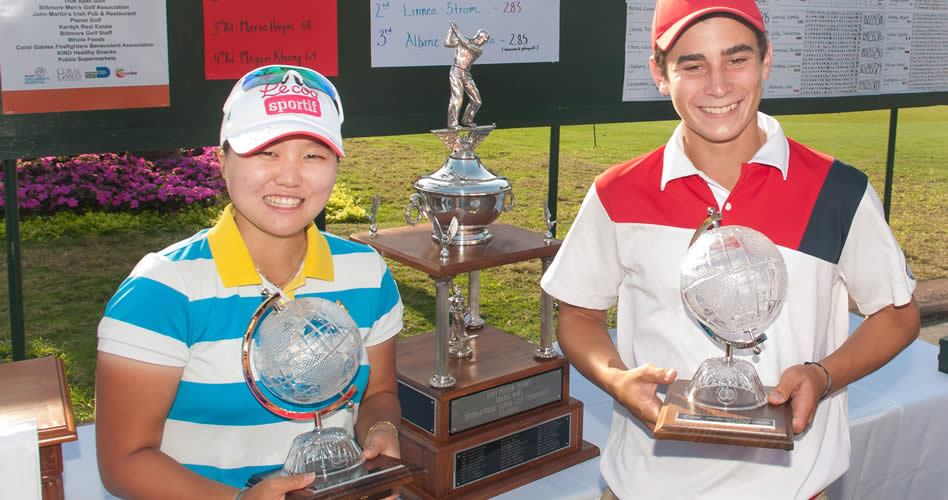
(68, 281)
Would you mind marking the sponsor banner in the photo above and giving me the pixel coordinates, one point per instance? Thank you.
(240, 35)
(55, 51)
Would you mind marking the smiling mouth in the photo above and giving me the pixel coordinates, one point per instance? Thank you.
(718, 111)
(282, 201)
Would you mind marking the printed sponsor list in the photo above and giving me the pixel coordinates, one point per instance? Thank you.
(413, 32)
(826, 48)
(62, 44)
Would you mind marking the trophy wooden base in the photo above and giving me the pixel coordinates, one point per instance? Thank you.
(766, 427)
(375, 479)
(508, 420)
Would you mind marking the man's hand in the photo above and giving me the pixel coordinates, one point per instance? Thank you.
(802, 385)
(637, 391)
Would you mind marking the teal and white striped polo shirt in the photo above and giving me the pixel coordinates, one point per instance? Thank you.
(189, 305)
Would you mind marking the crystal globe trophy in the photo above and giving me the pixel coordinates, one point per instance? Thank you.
(734, 283)
(306, 352)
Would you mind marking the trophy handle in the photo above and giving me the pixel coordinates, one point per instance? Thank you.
(509, 206)
(713, 220)
(751, 344)
(258, 394)
(415, 202)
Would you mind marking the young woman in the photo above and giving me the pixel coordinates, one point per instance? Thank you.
(174, 415)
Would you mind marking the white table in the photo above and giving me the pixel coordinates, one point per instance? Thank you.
(898, 422)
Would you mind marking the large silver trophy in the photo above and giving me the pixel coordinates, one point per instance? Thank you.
(734, 281)
(306, 351)
(462, 188)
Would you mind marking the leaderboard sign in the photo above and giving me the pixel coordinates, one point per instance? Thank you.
(826, 48)
(73, 55)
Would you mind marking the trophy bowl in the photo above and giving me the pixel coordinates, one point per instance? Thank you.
(464, 189)
(305, 352)
(734, 281)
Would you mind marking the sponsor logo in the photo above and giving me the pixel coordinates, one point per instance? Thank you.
(121, 73)
(100, 72)
(908, 272)
(293, 103)
(38, 77)
(270, 90)
(68, 74)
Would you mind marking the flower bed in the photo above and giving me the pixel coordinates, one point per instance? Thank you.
(118, 183)
(79, 192)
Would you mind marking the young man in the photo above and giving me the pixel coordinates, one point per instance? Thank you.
(632, 233)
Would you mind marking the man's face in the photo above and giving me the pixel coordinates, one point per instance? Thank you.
(715, 77)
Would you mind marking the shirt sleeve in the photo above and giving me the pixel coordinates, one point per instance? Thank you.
(146, 319)
(872, 264)
(389, 310)
(586, 271)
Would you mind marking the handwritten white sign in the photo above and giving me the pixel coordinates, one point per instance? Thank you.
(412, 32)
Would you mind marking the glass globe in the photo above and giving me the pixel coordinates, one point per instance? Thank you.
(306, 351)
(734, 281)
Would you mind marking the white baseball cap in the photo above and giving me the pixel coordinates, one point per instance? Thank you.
(276, 101)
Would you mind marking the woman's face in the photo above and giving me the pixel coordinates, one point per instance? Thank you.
(279, 189)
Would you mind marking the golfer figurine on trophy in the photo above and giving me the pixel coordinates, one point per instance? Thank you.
(466, 51)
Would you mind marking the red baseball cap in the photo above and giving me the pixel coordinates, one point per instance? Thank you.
(673, 16)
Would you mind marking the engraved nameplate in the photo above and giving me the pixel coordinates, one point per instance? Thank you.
(417, 407)
(505, 400)
(756, 423)
(515, 449)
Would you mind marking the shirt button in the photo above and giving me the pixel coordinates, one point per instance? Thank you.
(727, 206)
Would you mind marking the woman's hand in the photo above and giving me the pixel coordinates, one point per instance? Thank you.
(381, 440)
(276, 488)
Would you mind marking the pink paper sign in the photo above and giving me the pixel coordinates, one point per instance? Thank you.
(240, 35)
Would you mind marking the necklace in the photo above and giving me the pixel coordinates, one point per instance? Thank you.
(295, 269)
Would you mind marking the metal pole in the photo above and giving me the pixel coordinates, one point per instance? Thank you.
(553, 188)
(474, 320)
(14, 274)
(546, 350)
(442, 379)
(320, 220)
(890, 161)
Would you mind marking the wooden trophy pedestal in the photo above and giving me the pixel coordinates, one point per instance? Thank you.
(36, 388)
(765, 427)
(508, 420)
(495, 420)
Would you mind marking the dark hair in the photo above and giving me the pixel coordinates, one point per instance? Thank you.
(225, 148)
(659, 55)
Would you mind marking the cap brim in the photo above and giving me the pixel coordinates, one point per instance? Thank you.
(671, 34)
(251, 141)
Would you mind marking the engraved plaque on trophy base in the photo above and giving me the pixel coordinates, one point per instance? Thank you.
(502, 378)
(374, 479)
(507, 421)
(500, 456)
(766, 427)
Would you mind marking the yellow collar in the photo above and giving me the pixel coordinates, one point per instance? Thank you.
(236, 268)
